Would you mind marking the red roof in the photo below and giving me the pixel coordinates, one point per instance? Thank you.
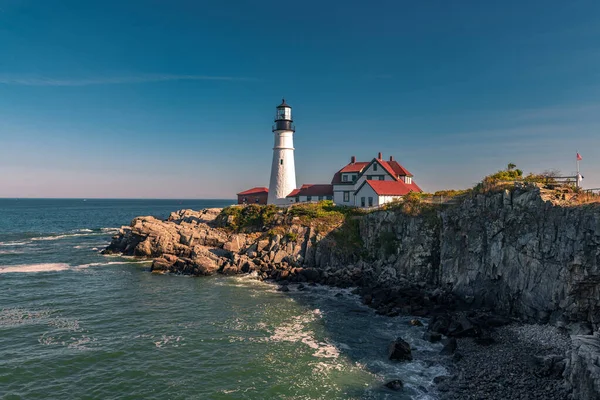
(414, 187)
(293, 193)
(397, 168)
(390, 188)
(255, 190)
(312, 190)
(354, 167)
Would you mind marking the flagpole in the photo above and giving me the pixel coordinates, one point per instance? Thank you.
(577, 178)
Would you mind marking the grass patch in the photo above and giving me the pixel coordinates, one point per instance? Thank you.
(250, 217)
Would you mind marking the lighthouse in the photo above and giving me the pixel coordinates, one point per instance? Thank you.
(283, 170)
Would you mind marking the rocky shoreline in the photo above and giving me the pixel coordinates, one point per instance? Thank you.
(530, 262)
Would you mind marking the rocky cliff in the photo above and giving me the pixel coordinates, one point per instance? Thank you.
(520, 252)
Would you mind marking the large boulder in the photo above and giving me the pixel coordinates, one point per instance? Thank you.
(395, 385)
(399, 350)
(450, 346)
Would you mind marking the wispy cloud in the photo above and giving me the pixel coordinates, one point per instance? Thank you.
(29, 80)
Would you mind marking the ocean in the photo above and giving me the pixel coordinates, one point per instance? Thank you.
(76, 324)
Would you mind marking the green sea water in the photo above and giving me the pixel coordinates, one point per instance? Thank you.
(78, 325)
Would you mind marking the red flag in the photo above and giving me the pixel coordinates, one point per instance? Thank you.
(579, 158)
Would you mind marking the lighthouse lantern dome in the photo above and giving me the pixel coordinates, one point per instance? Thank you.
(283, 118)
(284, 111)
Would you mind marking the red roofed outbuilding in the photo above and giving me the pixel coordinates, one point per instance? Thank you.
(312, 192)
(257, 195)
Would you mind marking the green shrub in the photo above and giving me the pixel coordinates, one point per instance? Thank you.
(250, 217)
(291, 236)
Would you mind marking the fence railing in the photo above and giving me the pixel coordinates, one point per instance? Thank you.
(442, 199)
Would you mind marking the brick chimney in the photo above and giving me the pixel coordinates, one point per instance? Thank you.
(391, 158)
(379, 155)
(353, 159)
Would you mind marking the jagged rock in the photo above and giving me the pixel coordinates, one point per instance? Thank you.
(399, 350)
(311, 274)
(231, 270)
(450, 346)
(582, 370)
(161, 264)
(395, 385)
(205, 265)
(432, 337)
(415, 322)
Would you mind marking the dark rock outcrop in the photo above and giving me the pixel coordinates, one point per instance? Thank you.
(583, 367)
(395, 385)
(399, 350)
(450, 346)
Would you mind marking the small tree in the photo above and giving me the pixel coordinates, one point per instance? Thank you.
(511, 166)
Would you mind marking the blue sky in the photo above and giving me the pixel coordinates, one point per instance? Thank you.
(175, 99)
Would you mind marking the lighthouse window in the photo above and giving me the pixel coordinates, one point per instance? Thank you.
(281, 161)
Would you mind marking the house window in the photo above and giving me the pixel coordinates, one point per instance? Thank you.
(256, 200)
(344, 178)
(362, 201)
(281, 161)
(297, 199)
(369, 177)
(353, 177)
(244, 199)
(308, 198)
(375, 167)
(320, 198)
(408, 180)
(370, 202)
(346, 197)
(381, 177)
(329, 197)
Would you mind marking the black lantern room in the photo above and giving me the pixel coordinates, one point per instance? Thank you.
(283, 118)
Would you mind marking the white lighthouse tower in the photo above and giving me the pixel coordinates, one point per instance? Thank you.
(283, 170)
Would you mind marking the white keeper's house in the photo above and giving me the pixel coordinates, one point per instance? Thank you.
(359, 184)
(372, 183)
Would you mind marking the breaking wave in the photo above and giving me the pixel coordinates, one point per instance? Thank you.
(16, 243)
(98, 264)
(30, 268)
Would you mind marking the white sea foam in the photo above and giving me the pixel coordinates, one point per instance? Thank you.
(29, 268)
(297, 331)
(21, 243)
(173, 340)
(66, 235)
(97, 264)
(11, 252)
